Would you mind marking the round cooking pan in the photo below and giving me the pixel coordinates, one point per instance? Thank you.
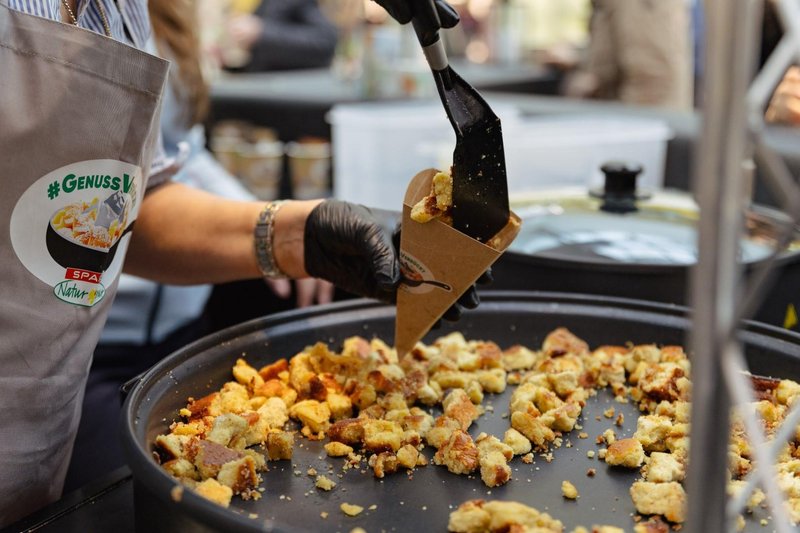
(421, 502)
(621, 242)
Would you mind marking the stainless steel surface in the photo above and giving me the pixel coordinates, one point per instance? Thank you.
(718, 182)
(720, 179)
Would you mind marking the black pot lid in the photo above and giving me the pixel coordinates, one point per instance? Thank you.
(569, 225)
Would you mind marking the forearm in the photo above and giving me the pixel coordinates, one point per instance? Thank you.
(186, 236)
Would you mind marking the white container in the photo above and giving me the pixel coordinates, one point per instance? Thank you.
(378, 148)
(547, 152)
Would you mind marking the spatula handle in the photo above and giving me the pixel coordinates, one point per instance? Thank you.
(426, 24)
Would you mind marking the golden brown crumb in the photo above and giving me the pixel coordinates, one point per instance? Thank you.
(383, 463)
(324, 483)
(561, 342)
(663, 467)
(240, 475)
(212, 490)
(493, 456)
(653, 525)
(337, 449)
(280, 445)
(625, 452)
(527, 458)
(351, 509)
(477, 516)
(666, 499)
(517, 441)
(459, 454)
(176, 493)
(438, 203)
(569, 491)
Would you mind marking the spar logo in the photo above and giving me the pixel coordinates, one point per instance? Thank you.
(80, 287)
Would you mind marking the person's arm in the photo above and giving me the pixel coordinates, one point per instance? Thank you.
(186, 236)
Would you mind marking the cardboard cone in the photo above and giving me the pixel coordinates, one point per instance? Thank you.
(439, 263)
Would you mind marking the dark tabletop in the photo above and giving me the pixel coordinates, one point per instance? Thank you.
(104, 505)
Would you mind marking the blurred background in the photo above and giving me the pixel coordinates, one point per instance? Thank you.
(313, 99)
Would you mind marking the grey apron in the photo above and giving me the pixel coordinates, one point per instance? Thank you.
(78, 124)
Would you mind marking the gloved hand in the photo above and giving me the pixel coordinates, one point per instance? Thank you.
(402, 11)
(346, 245)
(468, 300)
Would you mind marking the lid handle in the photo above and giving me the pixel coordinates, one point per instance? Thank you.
(619, 193)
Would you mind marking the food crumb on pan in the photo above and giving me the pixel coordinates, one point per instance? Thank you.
(358, 530)
(590, 454)
(351, 509)
(478, 515)
(323, 514)
(324, 483)
(569, 491)
(372, 507)
(252, 516)
(591, 472)
(176, 493)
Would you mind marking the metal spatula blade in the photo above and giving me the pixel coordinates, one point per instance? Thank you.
(480, 187)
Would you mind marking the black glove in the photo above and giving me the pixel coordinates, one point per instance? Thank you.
(346, 245)
(402, 11)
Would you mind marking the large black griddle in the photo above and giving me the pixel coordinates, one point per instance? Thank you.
(291, 503)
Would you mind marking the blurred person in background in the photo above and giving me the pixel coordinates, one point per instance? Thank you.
(278, 35)
(640, 52)
(149, 320)
(784, 106)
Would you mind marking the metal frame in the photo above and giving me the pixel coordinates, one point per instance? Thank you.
(732, 135)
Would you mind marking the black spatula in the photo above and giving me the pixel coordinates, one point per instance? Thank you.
(480, 189)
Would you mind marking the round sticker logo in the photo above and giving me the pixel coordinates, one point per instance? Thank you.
(70, 227)
(417, 278)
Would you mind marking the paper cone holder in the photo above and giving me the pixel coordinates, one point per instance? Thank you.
(442, 263)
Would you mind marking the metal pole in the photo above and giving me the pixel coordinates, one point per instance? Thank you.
(720, 188)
